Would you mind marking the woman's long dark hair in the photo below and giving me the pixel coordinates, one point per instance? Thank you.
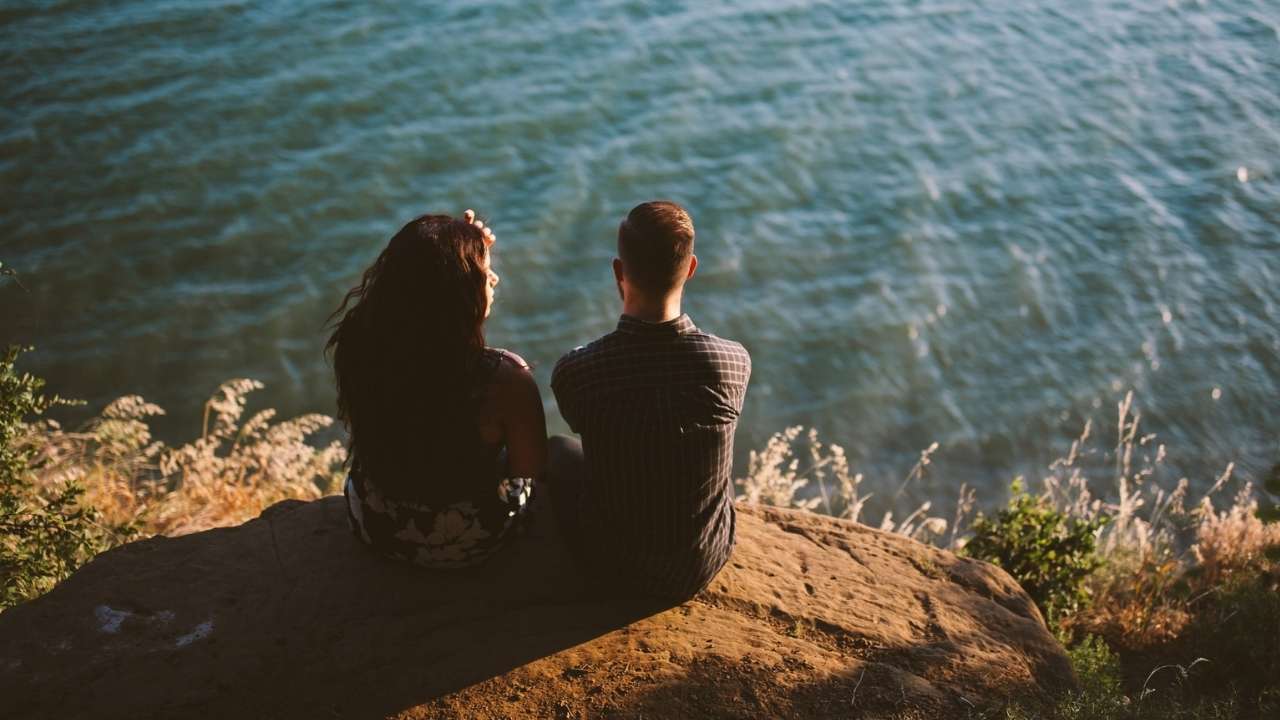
(408, 353)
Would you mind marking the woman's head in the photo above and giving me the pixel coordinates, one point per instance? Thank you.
(408, 340)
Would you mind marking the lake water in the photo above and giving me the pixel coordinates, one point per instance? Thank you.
(976, 223)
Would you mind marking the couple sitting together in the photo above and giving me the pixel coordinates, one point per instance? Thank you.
(448, 438)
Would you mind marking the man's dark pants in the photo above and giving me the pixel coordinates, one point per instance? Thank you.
(566, 474)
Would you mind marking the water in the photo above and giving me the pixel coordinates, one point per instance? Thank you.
(975, 223)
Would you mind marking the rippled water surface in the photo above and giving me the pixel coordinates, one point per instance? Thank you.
(971, 222)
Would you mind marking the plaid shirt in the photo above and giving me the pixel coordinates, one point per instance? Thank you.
(656, 405)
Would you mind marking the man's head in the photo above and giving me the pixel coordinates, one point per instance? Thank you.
(655, 249)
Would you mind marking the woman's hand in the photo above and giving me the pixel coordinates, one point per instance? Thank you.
(489, 237)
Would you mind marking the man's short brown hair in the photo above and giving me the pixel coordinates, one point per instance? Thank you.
(654, 243)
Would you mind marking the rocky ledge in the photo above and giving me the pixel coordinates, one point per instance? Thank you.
(287, 616)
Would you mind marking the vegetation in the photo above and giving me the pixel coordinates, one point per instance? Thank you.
(45, 530)
(227, 475)
(68, 495)
(1270, 511)
(1169, 609)
(1050, 553)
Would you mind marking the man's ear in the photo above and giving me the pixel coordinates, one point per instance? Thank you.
(693, 266)
(617, 278)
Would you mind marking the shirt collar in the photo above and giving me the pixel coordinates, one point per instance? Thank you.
(635, 326)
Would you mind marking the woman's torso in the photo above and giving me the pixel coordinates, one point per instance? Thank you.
(478, 517)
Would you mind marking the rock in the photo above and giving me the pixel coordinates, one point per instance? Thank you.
(288, 616)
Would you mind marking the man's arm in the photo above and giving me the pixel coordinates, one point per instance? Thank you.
(565, 390)
(735, 372)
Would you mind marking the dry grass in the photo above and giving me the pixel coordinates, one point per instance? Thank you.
(224, 477)
(1161, 552)
(1164, 555)
(1184, 583)
(1182, 579)
(774, 478)
(1155, 539)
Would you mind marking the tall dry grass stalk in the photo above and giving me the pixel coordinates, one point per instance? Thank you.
(774, 478)
(224, 477)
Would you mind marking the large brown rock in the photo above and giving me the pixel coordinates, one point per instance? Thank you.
(287, 616)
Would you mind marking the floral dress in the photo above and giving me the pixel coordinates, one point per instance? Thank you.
(458, 535)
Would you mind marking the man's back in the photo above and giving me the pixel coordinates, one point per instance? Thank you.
(656, 405)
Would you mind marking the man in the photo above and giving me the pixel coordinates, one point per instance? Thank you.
(646, 500)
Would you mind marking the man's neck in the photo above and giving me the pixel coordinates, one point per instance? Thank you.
(655, 311)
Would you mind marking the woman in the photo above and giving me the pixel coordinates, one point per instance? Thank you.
(447, 434)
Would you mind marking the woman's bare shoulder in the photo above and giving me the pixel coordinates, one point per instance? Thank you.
(508, 360)
(513, 380)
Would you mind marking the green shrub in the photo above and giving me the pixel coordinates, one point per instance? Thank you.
(1269, 508)
(1048, 552)
(1101, 694)
(45, 533)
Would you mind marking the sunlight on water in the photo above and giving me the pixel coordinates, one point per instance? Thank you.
(963, 222)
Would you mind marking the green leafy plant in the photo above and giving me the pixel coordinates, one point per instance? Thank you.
(45, 532)
(1101, 693)
(1047, 551)
(1269, 508)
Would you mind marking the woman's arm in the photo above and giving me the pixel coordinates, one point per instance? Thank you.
(524, 427)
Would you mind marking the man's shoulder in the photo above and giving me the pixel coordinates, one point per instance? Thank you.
(731, 349)
(721, 342)
(579, 357)
(605, 352)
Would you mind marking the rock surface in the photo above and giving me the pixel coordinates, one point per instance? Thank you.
(287, 616)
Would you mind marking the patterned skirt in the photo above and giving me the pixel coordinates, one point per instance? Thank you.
(458, 535)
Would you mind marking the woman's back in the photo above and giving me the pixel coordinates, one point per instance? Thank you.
(446, 433)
